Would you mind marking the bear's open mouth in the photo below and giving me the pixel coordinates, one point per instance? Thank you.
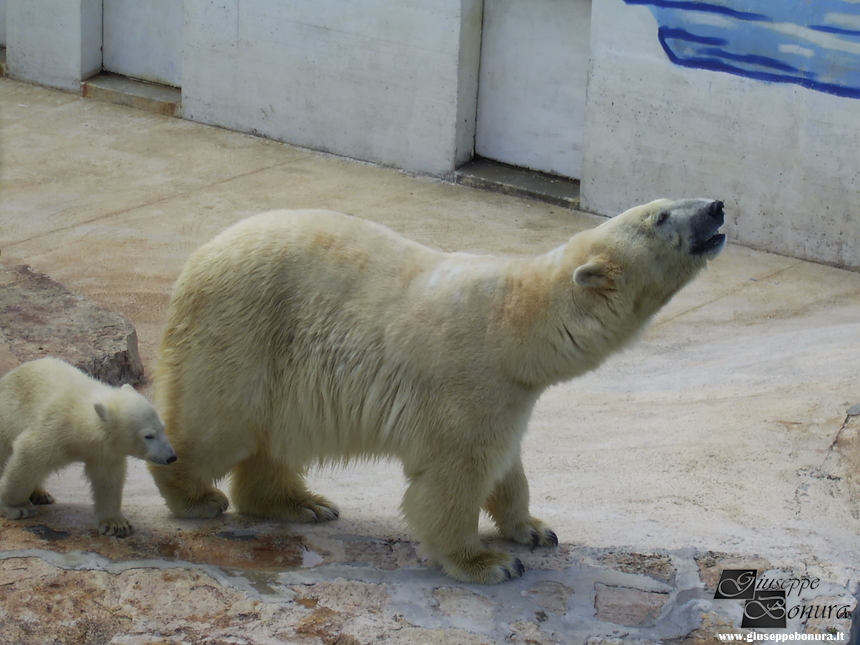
(710, 244)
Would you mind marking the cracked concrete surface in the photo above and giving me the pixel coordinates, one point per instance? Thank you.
(722, 440)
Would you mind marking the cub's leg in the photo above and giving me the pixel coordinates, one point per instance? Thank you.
(442, 505)
(508, 505)
(23, 475)
(269, 488)
(39, 495)
(107, 480)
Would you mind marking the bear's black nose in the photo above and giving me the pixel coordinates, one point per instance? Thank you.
(171, 459)
(716, 209)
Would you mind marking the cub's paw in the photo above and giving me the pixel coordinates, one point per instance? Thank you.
(533, 533)
(485, 567)
(115, 526)
(210, 505)
(19, 511)
(41, 497)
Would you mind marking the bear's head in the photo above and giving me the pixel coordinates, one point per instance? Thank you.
(613, 278)
(646, 254)
(135, 425)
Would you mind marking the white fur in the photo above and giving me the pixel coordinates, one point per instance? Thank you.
(306, 336)
(52, 414)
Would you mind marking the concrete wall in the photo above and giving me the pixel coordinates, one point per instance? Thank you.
(775, 134)
(54, 42)
(2, 23)
(143, 39)
(531, 93)
(388, 81)
(752, 101)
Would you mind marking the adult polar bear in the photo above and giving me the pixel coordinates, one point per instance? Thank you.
(307, 336)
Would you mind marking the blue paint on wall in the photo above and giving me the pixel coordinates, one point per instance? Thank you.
(813, 43)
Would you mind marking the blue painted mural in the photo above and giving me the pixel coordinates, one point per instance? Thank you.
(814, 43)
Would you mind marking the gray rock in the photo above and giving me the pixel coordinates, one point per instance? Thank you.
(40, 317)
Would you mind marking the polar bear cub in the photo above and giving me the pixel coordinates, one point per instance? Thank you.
(52, 414)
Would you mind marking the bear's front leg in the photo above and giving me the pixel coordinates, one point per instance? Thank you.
(107, 480)
(442, 505)
(508, 505)
(265, 487)
(188, 492)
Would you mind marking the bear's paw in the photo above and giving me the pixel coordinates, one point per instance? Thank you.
(19, 511)
(306, 508)
(41, 497)
(115, 526)
(206, 507)
(317, 509)
(484, 567)
(533, 533)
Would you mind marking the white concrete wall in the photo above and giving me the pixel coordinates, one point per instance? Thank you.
(396, 82)
(784, 158)
(531, 92)
(2, 23)
(54, 42)
(143, 39)
(388, 81)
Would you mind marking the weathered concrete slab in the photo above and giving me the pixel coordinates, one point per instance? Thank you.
(40, 317)
(251, 582)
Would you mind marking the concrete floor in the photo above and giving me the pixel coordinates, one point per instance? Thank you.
(721, 440)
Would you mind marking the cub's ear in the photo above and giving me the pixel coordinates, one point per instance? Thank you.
(593, 275)
(127, 388)
(102, 411)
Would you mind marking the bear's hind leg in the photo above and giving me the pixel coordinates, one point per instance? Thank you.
(442, 507)
(508, 505)
(189, 494)
(268, 488)
(25, 471)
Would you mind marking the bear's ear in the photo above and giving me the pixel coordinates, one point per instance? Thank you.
(102, 411)
(593, 275)
(127, 388)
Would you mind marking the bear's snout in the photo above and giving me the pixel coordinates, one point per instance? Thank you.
(706, 220)
(716, 211)
(171, 458)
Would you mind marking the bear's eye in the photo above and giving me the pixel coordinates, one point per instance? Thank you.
(149, 437)
(662, 216)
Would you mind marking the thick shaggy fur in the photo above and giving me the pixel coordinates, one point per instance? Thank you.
(307, 336)
(52, 414)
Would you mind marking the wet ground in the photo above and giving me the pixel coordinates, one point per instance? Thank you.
(721, 441)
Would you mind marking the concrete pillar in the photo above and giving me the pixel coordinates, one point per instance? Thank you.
(54, 42)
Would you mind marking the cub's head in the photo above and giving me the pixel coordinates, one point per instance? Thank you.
(135, 426)
(657, 247)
